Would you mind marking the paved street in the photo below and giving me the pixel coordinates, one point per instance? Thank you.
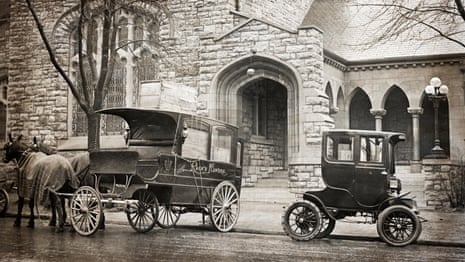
(121, 243)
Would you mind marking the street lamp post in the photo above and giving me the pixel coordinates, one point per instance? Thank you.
(436, 92)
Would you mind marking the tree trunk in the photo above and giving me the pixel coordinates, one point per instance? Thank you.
(93, 134)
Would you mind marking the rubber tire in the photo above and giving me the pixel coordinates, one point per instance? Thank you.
(385, 228)
(327, 226)
(292, 227)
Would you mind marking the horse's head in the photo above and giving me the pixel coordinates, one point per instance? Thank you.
(14, 148)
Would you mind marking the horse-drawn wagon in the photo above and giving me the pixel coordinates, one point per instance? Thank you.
(173, 163)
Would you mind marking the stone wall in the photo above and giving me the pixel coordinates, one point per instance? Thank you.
(38, 98)
(436, 173)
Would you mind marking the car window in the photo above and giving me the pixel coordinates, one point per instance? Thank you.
(340, 148)
(371, 149)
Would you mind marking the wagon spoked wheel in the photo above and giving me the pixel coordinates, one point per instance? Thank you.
(86, 211)
(327, 225)
(142, 216)
(302, 220)
(398, 226)
(224, 210)
(4, 201)
(168, 216)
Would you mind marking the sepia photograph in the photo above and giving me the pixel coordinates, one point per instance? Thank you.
(232, 130)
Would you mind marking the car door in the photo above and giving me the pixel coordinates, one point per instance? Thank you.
(370, 170)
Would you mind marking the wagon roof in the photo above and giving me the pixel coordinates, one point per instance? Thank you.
(141, 116)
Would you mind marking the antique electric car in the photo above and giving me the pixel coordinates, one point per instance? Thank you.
(358, 169)
(173, 163)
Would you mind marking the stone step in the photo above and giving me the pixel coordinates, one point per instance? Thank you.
(273, 183)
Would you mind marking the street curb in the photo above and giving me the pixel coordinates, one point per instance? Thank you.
(262, 232)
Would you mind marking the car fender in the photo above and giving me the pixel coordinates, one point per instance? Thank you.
(315, 199)
(399, 200)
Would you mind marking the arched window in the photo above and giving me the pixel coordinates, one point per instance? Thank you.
(135, 39)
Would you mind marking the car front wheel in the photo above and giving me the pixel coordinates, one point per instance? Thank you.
(398, 226)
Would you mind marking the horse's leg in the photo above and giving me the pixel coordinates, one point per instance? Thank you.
(53, 206)
(60, 211)
(63, 206)
(30, 224)
(20, 211)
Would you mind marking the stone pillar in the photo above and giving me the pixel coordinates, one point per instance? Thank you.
(415, 164)
(378, 113)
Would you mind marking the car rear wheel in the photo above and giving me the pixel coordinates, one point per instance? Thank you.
(327, 226)
(398, 226)
(302, 220)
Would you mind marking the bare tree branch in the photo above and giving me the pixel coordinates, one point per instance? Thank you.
(55, 63)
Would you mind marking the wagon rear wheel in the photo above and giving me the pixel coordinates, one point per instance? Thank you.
(302, 220)
(142, 216)
(86, 211)
(224, 210)
(168, 216)
(4, 201)
(398, 226)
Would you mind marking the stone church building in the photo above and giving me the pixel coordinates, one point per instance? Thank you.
(281, 70)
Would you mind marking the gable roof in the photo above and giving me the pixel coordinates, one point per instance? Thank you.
(347, 30)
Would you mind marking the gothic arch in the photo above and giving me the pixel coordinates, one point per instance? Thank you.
(397, 118)
(329, 93)
(237, 74)
(359, 110)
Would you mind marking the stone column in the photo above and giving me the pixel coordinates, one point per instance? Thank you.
(415, 163)
(378, 113)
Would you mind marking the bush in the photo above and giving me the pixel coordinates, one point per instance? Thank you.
(455, 184)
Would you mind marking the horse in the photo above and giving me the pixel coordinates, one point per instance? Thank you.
(38, 173)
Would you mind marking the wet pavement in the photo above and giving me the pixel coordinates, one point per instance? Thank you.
(261, 210)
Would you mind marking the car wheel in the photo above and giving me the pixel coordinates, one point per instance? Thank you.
(398, 226)
(302, 220)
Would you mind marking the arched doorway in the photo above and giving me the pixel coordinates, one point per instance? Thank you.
(427, 126)
(398, 119)
(259, 94)
(359, 111)
(263, 125)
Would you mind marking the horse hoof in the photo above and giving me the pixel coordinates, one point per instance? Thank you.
(59, 230)
(30, 225)
(17, 224)
(52, 224)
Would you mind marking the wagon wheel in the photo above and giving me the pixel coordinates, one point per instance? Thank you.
(327, 225)
(142, 215)
(86, 211)
(224, 210)
(302, 220)
(398, 226)
(168, 216)
(4, 201)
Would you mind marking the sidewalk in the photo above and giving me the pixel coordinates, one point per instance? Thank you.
(261, 210)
